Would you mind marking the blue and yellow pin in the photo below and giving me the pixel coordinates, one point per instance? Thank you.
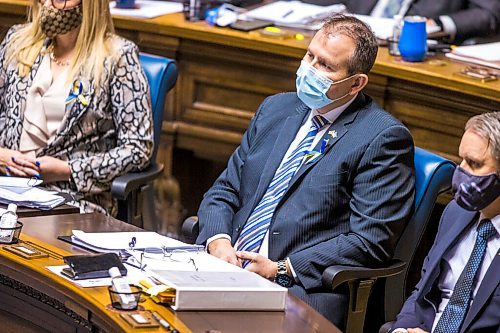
(77, 93)
(312, 155)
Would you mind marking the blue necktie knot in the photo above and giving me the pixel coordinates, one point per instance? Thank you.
(319, 121)
(486, 229)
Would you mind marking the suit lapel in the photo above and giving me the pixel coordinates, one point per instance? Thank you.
(487, 287)
(74, 110)
(22, 91)
(334, 133)
(453, 232)
(283, 141)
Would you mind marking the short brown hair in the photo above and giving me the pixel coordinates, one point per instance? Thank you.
(364, 55)
(487, 126)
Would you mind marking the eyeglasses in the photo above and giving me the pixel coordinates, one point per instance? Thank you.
(144, 255)
(156, 254)
(59, 4)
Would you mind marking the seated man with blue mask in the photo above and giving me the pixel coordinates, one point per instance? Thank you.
(323, 176)
(459, 290)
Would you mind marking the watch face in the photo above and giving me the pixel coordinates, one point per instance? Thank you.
(284, 280)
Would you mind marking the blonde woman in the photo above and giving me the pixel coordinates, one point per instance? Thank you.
(74, 101)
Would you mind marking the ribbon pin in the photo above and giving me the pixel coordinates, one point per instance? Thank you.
(314, 154)
(77, 93)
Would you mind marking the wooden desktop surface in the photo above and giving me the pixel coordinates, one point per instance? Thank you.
(32, 298)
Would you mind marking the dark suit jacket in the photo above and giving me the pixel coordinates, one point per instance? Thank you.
(484, 313)
(473, 18)
(347, 207)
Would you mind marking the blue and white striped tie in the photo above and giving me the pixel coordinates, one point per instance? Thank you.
(255, 229)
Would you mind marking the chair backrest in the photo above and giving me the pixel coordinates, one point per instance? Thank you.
(162, 75)
(433, 176)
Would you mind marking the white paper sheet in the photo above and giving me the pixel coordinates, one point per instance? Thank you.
(133, 276)
(486, 52)
(30, 197)
(120, 240)
(18, 181)
(147, 9)
(289, 12)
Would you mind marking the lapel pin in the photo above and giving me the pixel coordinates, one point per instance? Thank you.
(333, 134)
(77, 93)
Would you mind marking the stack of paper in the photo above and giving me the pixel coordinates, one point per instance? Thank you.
(116, 241)
(241, 290)
(481, 54)
(147, 9)
(294, 14)
(21, 192)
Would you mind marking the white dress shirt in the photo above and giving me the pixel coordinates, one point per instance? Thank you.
(331, 116)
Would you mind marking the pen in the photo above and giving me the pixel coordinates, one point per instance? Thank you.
(287, 13)
(160, 320)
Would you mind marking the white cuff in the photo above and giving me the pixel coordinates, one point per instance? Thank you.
(291, 269)
(449, 26)
(400, 330)
(218, 236)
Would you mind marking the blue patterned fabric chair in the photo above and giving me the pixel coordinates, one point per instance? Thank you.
(134, 190)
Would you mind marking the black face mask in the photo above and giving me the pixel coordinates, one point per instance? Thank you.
(55, 21)
(475, 192)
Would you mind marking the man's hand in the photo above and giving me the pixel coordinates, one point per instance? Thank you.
(259, 264)
(222, 249)
(416, 330)
(14, 163)
(53, 169)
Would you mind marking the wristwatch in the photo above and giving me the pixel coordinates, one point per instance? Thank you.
(282, 278)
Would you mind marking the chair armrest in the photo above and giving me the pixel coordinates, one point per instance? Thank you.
(190, 227)
(123, 185)
(334, 276)
(386, 328)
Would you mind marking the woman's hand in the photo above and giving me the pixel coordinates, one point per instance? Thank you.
(53, 169)
(14, 163)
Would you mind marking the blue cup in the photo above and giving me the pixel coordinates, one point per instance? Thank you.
(125, 4)
(413, 39)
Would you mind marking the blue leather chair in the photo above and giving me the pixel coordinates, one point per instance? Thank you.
(433, 176)
(131, 189)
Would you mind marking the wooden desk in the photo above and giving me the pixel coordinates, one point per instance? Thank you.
(32, 299)
(225, 74)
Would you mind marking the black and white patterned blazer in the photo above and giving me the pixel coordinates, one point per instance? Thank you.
(111, 135)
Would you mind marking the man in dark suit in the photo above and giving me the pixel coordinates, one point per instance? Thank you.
(461, 19)
(323, 176)
(459, 289)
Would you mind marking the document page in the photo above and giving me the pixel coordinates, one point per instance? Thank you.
(147, 9)
(288, 12)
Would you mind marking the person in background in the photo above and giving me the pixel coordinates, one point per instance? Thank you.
(459, 19)
(460, 284)
(74, 101)
(323, 176)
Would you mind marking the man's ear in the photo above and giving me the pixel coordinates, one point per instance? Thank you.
(359, 83)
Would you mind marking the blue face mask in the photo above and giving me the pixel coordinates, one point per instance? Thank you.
(312, 86)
